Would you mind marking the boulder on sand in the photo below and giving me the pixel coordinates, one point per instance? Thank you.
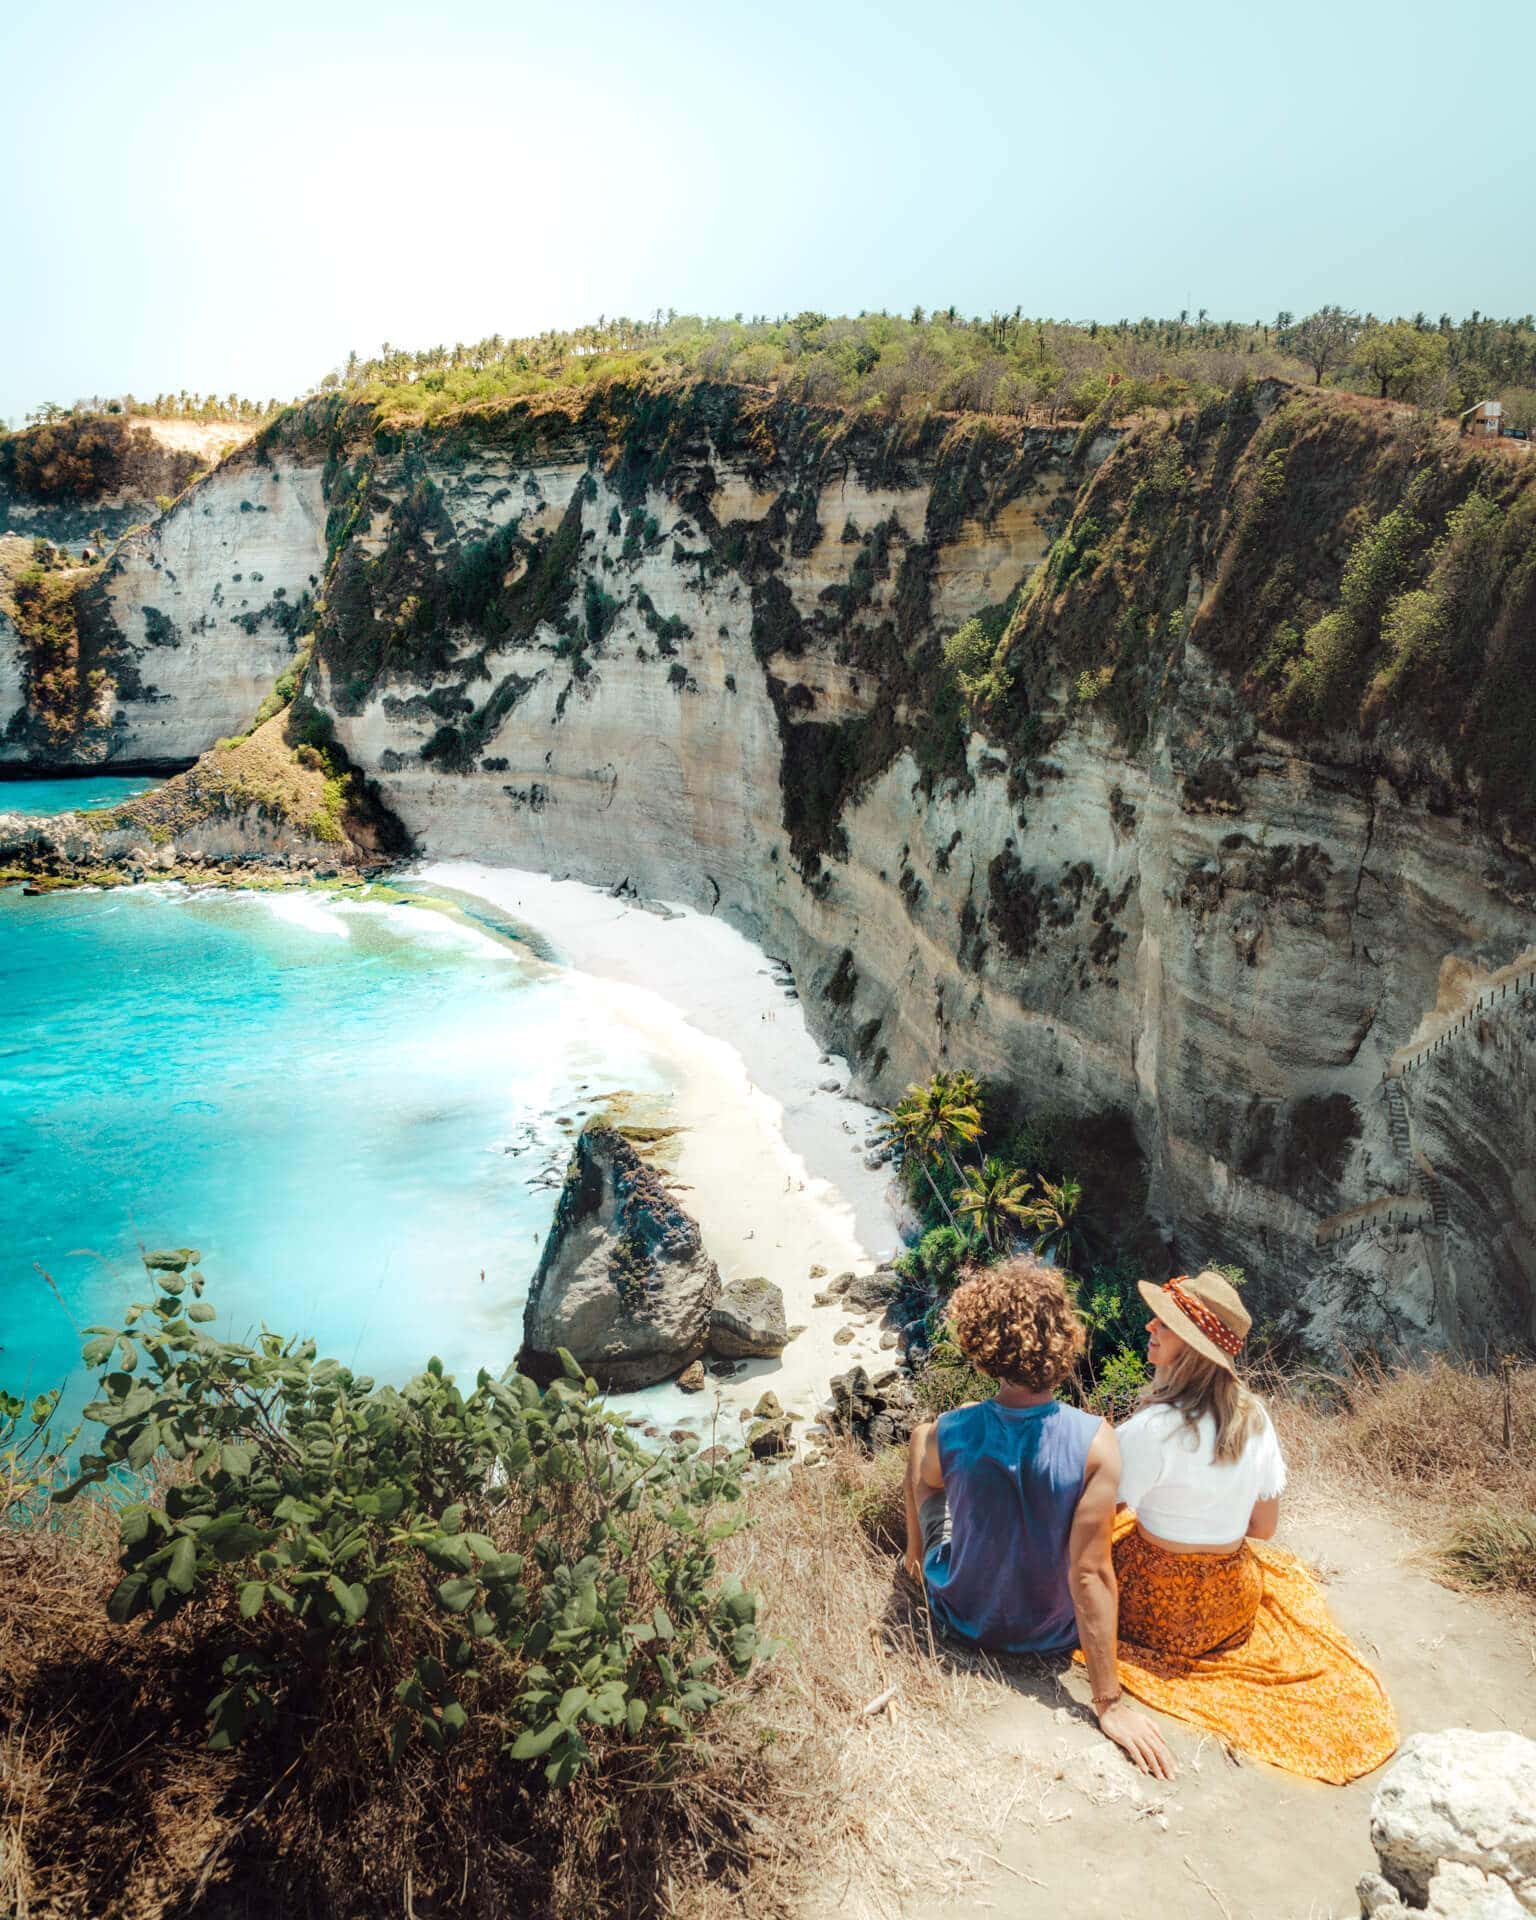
(870, 1292)
(748, 1320)
(624, 1282)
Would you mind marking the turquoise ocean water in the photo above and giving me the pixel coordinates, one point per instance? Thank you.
(89, 793)
(340, 1104)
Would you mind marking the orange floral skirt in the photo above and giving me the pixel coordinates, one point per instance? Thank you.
(1242, 1645)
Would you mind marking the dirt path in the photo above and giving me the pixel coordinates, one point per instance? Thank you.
(1088, 1838)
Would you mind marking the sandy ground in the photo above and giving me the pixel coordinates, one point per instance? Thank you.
(1088, 1836)
(771, 1159)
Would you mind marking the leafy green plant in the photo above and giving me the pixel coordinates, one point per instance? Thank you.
(31, 1454)
(1111, 1308)
(1117, 1384)
(509, 1548)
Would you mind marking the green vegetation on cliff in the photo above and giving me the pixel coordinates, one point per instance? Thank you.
(290, 775)
(1353, 573)
(1350, 567)
(40, 590)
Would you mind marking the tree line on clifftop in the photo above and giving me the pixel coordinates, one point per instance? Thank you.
(1002, 362)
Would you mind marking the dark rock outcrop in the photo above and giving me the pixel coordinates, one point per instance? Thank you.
(748, 1321)
(624, 1282)
(876, 1413)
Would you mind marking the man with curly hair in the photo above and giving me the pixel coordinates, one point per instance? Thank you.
(1010, 1500)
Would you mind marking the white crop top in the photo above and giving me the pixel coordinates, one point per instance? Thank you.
(1180, 1492)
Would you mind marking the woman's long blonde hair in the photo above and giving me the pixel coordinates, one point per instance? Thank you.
(1195, 1386)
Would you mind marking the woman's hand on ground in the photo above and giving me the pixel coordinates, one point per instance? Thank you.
(1135, 1735)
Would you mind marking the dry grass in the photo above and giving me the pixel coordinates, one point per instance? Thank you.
(1492, 1548)
(868, 1779)
(1450, 1451)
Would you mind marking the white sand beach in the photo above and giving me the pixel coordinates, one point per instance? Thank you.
(771, 1160)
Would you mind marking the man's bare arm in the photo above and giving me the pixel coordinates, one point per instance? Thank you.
(1095, 1598)
(924, 1476)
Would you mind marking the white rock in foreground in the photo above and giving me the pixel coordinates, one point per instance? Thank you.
(1454, 1826)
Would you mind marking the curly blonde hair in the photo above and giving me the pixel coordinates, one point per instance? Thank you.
(1016, 1322)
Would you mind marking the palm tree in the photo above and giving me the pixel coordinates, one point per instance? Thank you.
(906, 1127)
(931, 1119)
(993, 1196)
(952, 1104)
(1052, 1218)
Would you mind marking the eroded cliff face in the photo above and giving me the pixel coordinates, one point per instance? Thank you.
(695, 644)
(187, 626)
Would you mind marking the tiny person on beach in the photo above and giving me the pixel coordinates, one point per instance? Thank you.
(1216, 1626)
(1011, 1501)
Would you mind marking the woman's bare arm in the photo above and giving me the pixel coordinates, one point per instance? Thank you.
(1095, 1598)
(1264, 1519)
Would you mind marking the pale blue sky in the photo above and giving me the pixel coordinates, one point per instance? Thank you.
(221, 196)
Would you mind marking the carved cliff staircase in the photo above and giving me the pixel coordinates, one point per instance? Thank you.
(1429, 1211)
(1519, 981)
(1397, 1118)
(1433, 1192)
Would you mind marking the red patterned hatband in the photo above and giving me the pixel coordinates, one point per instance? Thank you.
(1208, 1323)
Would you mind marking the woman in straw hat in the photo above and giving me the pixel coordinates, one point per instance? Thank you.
(1217, 1627)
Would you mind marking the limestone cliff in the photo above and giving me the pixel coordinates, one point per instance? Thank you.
(182, 632)
(1212, 816)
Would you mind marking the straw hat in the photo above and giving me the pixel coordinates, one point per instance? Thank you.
(1204, 1312)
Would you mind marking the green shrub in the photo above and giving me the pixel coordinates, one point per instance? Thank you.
(943, 1385)
(1325, 681)
(936, 1260)
(506, 1550)
(1111, 1309)
(1116, 1386)
(946, 1379)
(1093, 682)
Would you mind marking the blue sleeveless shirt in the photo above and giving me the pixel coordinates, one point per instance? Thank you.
(1012, 1480)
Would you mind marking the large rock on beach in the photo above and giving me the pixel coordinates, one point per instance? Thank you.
(871, 1292)
(1454, 1827)
(624, 1282)
(748, 1320)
